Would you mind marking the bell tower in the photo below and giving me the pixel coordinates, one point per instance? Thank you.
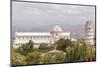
(89, 32)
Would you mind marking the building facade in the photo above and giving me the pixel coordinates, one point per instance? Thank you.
(89, 36)
(41, 37)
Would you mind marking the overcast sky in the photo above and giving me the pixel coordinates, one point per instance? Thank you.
(41, 16)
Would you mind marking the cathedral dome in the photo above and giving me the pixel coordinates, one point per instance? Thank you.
(57, 28)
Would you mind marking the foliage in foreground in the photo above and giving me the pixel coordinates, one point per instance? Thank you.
(27, 54)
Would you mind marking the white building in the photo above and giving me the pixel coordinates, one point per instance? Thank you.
(89, 33)
(41, 37)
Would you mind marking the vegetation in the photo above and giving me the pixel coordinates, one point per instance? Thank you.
(62, 44)
(75, 53)
(33, 58)
(18, 59)
(24, 49)
(71, 52)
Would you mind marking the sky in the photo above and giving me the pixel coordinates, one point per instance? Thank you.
(30, 16)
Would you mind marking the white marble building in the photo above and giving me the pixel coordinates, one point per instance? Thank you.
(41, 37)
(89, 33)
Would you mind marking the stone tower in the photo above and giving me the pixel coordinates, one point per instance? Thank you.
(89, 33)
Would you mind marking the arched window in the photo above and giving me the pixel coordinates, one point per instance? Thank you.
(19, 37)
(33, 37)
(27, 37)
(45, 37)
(23, 37)
(38, 37)
(30, 37)
(48, 37)
(41, 37)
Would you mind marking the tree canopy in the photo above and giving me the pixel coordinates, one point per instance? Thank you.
(24, 49)
(62, 44)
(63, 50)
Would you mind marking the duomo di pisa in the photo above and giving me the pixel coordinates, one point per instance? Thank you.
(50, 37)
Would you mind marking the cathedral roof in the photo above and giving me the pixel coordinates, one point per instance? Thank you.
(57, 28)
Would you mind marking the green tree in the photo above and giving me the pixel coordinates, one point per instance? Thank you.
(74, 54)
(48, 59)
(24, 49)
(18, 59)
(60, 58)
(62, 44)
(56, 58)
(33, 57)
(68, 43)
(90, 54)
(44, 47)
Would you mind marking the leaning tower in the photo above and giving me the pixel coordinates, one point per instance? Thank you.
(89, 33)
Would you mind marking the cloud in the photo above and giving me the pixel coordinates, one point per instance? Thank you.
(40, 14)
